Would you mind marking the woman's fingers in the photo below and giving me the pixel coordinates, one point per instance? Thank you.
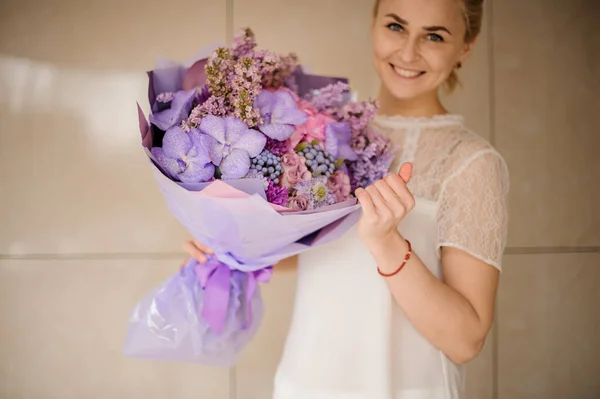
(406, 172)
(203, 247)
(195, 252)
(399, 187)
(380, 204)
(393, 201)
(365, 201)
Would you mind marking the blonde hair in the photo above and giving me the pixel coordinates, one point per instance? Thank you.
(473, 16)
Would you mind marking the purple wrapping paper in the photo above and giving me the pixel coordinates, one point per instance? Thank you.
(167, 324)
(208, 313)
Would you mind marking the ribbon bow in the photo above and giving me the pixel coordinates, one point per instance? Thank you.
(215, 279)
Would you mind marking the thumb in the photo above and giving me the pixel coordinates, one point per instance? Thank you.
(406, 172)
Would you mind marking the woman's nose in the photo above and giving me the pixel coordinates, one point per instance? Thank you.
(409, 52)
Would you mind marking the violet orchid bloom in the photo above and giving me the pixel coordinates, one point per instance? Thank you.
(231, 144)
(181, 105)
(280, 114)
(338, 136)
(185, 155)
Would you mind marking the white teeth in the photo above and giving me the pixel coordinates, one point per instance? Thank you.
(406, 73)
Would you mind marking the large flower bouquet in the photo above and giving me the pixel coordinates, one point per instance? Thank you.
(259, 161)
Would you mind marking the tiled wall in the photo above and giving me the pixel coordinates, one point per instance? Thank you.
(84, 231)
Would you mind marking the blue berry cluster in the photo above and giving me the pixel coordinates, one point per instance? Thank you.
(268, 165)
(319, 162)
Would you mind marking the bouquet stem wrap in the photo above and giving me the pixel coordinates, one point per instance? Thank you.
(215, 279)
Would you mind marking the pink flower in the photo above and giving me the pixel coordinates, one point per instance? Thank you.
(298, 203)
(312, 129)
(294, 169)
(307, 107)
(339, 183)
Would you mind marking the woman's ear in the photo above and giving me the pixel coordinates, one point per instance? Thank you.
(468, 49)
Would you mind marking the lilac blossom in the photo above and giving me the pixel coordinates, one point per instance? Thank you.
(279, 113)
(245, 87)
(232, 144)
(334, 95)
(243, 43)
(181, 105)
(375, 155)
(185, 156)
(358, 115)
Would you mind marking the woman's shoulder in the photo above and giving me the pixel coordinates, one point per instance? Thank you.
(471, 154)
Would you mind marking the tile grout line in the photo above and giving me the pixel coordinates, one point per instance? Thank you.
(229, 30)
(551, 250)
(180, 256)
(229, 4)
(233, 382)
(492, 105)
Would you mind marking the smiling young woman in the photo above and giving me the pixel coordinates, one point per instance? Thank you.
(397, 306)
(419, 45)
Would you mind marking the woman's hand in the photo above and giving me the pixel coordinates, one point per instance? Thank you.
(385, 203)
(197, 251)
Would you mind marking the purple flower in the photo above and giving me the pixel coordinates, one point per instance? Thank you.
(231, 144)
(358, 114)
(277, 147)
(375, 153)
(279, 113)
(334, 95)
(165, 97)
(337, 141)
(317, 192)
(185, 156)
(277, 195)
(179, 110)
(243, 43)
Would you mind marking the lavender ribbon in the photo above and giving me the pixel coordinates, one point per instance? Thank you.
(215, 279)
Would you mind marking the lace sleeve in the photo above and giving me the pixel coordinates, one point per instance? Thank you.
(473, 213)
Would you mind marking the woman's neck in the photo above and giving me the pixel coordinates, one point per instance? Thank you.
(426, 106)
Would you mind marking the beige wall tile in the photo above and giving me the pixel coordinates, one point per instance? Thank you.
(327, 40)
(480, 372)
(547, 118)
(256, 368)
(548, 341)
(108, 34)
(74, 176)
(62, 327)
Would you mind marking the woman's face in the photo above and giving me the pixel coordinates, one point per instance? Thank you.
(417, 44)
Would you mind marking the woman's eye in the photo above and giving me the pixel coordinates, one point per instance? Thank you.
(395, 27)
(435, 38)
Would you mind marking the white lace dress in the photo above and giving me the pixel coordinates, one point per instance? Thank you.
(348, 338)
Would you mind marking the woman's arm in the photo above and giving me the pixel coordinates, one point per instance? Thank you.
(455, 314)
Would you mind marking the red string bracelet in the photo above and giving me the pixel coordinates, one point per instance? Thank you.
(406, 258)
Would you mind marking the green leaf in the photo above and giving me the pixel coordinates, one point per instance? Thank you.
(301, 146)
